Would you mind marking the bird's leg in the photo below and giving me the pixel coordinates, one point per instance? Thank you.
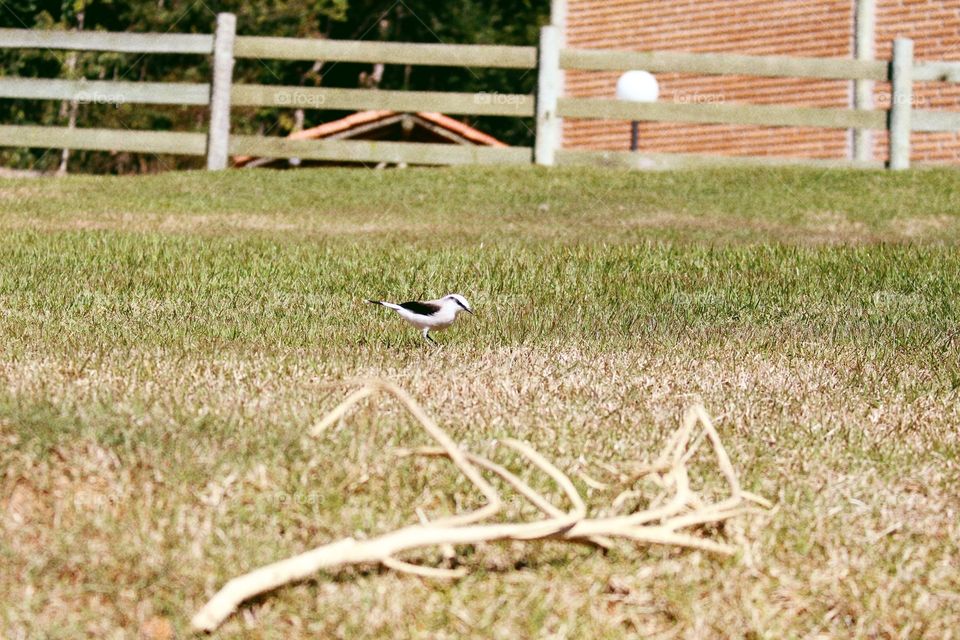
(426, 336)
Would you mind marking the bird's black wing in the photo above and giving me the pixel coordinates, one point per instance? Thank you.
(421, 308)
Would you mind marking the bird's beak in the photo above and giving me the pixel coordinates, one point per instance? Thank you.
(468, 311)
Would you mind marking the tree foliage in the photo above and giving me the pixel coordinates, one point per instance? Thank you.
(463, 21)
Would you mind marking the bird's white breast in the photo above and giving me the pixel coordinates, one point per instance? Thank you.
(439, 320)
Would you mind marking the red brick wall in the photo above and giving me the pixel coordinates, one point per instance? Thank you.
(934, 26)
(819, 28)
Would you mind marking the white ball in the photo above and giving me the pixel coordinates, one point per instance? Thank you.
(638, 86)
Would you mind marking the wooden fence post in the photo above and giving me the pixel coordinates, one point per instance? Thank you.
(901, 78)
(549, 86)
(218, 136)
(864, 36)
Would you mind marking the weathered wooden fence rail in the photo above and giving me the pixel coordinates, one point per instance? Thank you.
(107, 41)
(897, 119)
(435, 55)
(549, 106)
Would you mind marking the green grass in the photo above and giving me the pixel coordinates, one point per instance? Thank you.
(166, 342)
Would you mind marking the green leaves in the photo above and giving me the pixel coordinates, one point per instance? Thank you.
(414, 20)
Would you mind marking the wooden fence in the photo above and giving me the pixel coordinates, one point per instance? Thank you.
(549, 106)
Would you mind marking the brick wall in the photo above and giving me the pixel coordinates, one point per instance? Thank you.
(818, 28)
(934, 26)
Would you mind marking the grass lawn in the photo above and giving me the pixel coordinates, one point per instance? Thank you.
(167, 342)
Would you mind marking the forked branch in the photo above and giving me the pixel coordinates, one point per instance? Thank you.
(671, 522)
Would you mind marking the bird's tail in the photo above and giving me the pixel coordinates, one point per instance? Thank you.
(383, 303)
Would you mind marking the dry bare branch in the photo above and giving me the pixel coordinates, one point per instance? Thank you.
(426, 572)
(664, 522)
(516, 483)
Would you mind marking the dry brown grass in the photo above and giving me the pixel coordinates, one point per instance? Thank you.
(214, 225)
(864, 541)
(815, 229)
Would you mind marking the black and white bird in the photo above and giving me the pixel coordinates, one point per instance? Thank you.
(430, 314)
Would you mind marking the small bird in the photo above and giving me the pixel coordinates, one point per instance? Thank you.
(430, 314)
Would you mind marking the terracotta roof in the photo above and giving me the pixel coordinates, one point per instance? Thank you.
(464, 130)
(343, 124)
(366, 117)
